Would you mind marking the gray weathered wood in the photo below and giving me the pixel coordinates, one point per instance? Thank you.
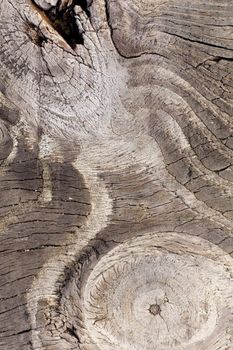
(116, 207)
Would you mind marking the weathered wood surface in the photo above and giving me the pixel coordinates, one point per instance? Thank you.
(116, 210)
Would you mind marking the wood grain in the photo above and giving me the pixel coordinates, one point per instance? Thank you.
(116, 210)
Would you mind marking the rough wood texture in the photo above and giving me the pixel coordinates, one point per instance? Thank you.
(116, 148)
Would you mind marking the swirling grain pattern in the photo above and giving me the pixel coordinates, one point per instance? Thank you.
(116, 172)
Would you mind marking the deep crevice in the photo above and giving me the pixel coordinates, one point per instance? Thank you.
(66, 22)
(72, 331)
(219, 58)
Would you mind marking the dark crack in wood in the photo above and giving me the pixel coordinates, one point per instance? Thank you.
(66, 22)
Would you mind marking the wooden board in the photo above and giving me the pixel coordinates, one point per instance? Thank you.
(116, 148)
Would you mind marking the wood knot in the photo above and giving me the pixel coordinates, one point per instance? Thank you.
(155, 309)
